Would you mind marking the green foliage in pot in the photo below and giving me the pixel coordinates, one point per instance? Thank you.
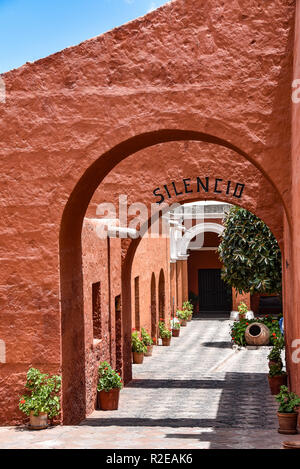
(242, 309)
(146, 338)
(276, 370)
(43, 394)
(238, 329)
(288, 401)
(137, 344)
(275, 353)
(250, 254)
(108, 378)
(164, 332)
(188, 306)
(183, 314)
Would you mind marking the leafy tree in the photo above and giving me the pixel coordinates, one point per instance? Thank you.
(250, 254)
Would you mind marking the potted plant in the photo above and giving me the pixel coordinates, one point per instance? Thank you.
(243, 310)
(182, 316)
(42, 401)
(164, 333)
(138, 348)
(276, 378)
(188, 307)
(275, 354)
(148, 342)
(175, 326)
(109, 385)
(287, 411)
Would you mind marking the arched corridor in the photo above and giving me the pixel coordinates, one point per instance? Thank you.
(211, 397)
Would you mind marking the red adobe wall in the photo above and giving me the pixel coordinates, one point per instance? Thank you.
(152, 255)
(70, 118)
(292, 239)
(101, 263)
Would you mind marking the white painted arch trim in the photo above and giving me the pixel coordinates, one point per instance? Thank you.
(194, 231)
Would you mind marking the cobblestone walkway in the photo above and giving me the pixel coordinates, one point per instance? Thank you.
(198, 393)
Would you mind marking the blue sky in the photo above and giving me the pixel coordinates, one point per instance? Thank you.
(31, 29)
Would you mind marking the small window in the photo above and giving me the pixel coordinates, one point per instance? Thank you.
(96, 293)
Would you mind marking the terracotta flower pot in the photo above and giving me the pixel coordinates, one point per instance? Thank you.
(175, 332)
(275, 382)
(183, 322)
(287, 423)
(138, 357)
(166, 341)
(38, 422)
(291, 445)
(149, 351)
(108, 400)
(189, 318)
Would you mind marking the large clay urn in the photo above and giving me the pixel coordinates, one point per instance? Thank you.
(257, 334)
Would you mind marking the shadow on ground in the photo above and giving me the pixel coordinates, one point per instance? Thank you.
(245, 403)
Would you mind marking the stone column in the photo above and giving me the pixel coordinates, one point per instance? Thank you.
(179, 284)
(173, 289)
(182, 280)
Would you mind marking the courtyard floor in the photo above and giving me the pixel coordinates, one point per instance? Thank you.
(196, 394)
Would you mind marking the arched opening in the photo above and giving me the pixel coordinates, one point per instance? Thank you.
(161, 295)
(153, 307)
(73, 341)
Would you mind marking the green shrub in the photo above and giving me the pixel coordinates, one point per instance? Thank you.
(164, 332)
(276, 370)
(288, 401)
(239, 327)
(108, 378)
(146, 337)
(43, 394)
(183, 314)
(188, 306)
(137, 344)
(250, 254)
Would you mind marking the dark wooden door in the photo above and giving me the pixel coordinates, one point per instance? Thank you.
(214, 294)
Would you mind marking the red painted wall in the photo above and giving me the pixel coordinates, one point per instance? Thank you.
(152, 256)
(70, 118)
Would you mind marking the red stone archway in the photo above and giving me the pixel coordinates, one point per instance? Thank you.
(70, 118)
(260, 198)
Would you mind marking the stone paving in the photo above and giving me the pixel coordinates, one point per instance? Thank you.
(196, 394)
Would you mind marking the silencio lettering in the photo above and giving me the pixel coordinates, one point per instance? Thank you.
(198, 185)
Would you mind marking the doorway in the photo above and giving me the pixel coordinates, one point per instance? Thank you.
(214, 294)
